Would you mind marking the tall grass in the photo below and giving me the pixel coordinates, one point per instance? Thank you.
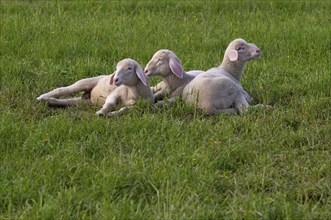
(171, 163)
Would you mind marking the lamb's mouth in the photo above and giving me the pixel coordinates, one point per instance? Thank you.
(148, 73)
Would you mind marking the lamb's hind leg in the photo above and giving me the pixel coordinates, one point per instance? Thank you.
(231, 111)
(260, 106)
(83, 85)
(241, 104)
(66, 102)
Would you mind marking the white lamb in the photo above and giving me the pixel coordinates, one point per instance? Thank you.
(218, 90)
(166, 64)
(126, 85)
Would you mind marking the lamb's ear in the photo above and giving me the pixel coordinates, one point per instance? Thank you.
(111, 81)
(176, 67)
(141, 75)
(232, 54)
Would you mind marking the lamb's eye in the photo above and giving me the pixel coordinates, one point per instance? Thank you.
(241, 48)
(159, 60)
(129, 68)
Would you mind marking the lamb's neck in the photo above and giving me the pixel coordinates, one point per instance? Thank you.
(173, 82)
(236, 68)
(138, 88)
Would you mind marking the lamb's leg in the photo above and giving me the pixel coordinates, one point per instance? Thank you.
(159, 95)
(66, 102)
(160, 86)
(155, 88)
(85, 85)
(109, 105)
(241, 104)
(260, 106)
(162, 103)
(247, 97)
(231, 111)
(120, 112)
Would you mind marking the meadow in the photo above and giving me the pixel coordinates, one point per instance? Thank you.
(174, 162)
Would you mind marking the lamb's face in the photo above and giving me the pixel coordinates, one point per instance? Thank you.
(245, 51)
(159, 64)
(125, 73)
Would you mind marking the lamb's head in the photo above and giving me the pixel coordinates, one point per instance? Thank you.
(128, 72)
(236, 56)
(164, 63)
(240, 50)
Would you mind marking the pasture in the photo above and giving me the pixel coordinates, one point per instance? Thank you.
(173, 162)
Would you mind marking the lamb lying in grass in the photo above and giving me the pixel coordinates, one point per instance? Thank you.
(126, 85)
(218, 90)
(166, 64)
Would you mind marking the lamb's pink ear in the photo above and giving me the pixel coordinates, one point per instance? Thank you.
(141, 75)
(176, 67)
(111, 81)
(232, 54)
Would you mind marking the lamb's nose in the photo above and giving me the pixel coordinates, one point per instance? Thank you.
(258, 51)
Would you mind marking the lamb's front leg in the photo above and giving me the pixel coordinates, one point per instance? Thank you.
(162, 103)
(159, 95)
(160, 86)
(120, 111)
(160, 90)
(128, 105)
(110, 104)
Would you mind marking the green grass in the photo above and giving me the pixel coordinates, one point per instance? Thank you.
(172, 163)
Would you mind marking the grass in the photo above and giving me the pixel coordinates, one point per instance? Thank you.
(173, 163)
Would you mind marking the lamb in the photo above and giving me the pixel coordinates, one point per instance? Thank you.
(126, 85)
(218, 90)
(166, 64)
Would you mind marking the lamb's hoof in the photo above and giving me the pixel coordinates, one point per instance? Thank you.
(261, 106)
(100, 113)
(111, 114)
(41, 98)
